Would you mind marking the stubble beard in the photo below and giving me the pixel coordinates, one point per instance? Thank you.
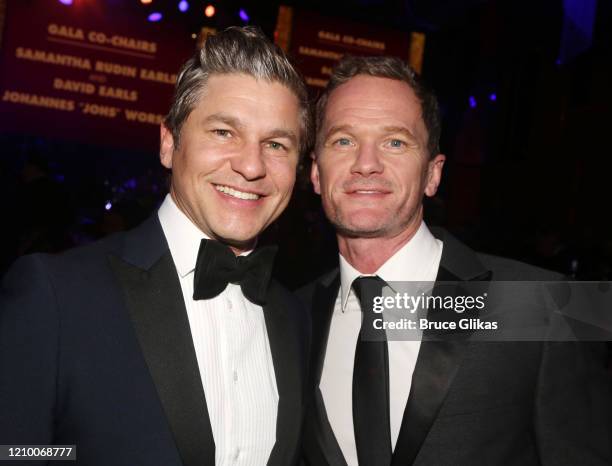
(345, 229)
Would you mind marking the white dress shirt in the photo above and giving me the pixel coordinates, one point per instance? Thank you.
(233, 353)
(417, 260)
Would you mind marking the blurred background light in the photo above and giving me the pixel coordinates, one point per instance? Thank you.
(154, 17)
(209, 11)
(183, 6)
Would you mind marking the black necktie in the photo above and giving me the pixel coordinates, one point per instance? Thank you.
(217, 266)
(371, 382)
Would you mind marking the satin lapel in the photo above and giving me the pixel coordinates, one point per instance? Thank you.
(289, 359)
(323, 302)
(436, 367)
(438, 361)
(157, 311)
(324, 433)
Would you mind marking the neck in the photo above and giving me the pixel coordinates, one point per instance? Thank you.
(367, 255)
(238, 249)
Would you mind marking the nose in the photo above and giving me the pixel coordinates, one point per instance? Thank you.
(367, 161)
(249, 162)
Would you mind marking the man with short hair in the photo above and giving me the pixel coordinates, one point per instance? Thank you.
(169, 344)
(447, 402)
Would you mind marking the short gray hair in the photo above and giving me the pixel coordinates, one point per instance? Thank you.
(386, 67)
(244, 50)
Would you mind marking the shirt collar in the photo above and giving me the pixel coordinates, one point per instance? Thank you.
(412, 262)
(182, 235)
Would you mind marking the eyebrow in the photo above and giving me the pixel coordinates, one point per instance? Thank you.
(283, 133)
(387, 129)
(338, 129)
(402, 130)
(223, 118)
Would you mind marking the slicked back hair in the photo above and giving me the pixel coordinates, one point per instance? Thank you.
(241, 50)
(385, 67)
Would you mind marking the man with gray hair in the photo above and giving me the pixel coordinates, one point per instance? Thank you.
(170, 344)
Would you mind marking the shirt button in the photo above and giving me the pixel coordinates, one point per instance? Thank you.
(229, 304)
(235, 376)
(236, 454)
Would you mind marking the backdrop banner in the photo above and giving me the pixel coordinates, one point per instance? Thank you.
(318, 42)
(93, 71)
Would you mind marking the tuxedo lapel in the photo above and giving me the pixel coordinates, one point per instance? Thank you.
(323, 301)
(438, 361)
(436, 366)
(155, 304)
(287, 356)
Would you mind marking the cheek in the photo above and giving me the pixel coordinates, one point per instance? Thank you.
(411, 178)
(330, 177)
(205, 155)
(182, 173)
(283, 175)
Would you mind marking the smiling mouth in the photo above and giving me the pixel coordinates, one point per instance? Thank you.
(235, 193)
(368, 191)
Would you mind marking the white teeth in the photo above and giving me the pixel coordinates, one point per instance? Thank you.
(235, 193)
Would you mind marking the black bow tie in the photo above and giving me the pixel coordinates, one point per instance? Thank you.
(217, 266)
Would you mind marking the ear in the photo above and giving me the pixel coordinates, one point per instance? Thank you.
(314, 174)
(166, 146)
(434, 174)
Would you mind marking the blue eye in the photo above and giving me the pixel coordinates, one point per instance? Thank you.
(222, 132)
(396, 143)
(343, 142)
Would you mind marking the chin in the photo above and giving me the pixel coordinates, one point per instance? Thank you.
(236, 235)
(364, 222)
(360, 230)
(240, 242)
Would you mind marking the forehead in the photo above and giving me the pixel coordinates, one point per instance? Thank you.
(263, 103)
(372, 99)
(246, 87)
(247, 102)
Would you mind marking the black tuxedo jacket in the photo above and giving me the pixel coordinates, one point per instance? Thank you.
(96, 350)
(479, 403)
